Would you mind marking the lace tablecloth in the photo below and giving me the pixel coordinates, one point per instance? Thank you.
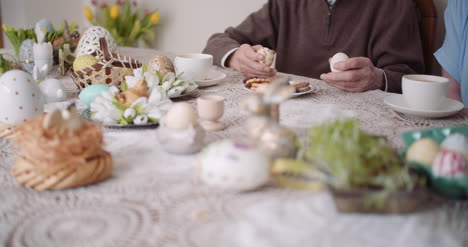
(154, 198)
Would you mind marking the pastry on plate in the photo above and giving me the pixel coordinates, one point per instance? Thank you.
(60, 150)
(301, 86)
(258, 80)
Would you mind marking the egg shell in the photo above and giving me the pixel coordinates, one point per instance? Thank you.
(181, 116)
(450, 164)
(20, 97)
(338, 57)
(91, 92)
(161, 64)
(423, 151)
(234, 166)
(456, 142)
(89, 41)
(268, 56)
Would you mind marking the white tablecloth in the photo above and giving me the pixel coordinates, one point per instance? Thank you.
(154, 198)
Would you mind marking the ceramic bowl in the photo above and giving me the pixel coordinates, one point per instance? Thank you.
(20, 97)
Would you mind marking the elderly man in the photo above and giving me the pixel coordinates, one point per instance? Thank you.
(382, 37)
(453, 55)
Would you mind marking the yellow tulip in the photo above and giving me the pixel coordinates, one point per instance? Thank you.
(155, 18)
(88, 13)
(114, 11)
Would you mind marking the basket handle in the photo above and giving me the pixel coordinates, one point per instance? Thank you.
(105, 48)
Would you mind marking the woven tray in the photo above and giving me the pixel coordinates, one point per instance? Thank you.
(110, 70)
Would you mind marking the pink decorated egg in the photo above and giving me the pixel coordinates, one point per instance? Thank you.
(450, 164)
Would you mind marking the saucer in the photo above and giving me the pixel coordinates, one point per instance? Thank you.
(214, 77)
(398, 103)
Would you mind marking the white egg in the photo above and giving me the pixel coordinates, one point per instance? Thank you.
(338, 57)
(456, 142)
(20, 97)
(234, 166)
(181, 116)
(89, 41)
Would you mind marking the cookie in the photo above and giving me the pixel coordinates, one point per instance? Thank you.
(249, 81)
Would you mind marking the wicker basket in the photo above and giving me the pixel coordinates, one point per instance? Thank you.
(110, 70)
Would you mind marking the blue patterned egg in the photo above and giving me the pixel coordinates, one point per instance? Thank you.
(26, 55)
(90, 93)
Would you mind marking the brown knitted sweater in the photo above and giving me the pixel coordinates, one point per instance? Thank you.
(305, 33)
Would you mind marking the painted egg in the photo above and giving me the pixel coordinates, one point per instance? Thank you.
(456, 142)
(20, 97)
(26, 55)
(53, 90)
(268, 56)
(450, 164)
(161, 64)
(84, 61)
(91, 92)
(45, 24)
(235, 166)
(89, 41)
(181, 116)
(338, 57)
(423, 151)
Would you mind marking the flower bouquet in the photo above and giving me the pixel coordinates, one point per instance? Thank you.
(124, 20)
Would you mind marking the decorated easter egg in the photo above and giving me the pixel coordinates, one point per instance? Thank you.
(160, 64)
(45, 24)
(91, 92)
(338, 57)
(450, 164)
(53, 90)
(84, 61)
(26, 55)
(181, 116)
(235, 166)
(423, 151)
(89, 41)
(456, 142)
(20, 97)
(268, 56)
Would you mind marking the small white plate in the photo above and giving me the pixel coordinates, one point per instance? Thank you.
(214, 77)
(311, 90)
(398, 103)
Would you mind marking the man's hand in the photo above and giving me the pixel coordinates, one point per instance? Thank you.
(359, 75)
(246, 60)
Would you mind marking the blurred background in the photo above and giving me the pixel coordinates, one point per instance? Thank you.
(183, 25)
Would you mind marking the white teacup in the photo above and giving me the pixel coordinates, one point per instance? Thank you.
(425, 92)
(193, 66)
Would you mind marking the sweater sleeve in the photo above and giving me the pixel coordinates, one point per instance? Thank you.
(396, 44)
(258, 28)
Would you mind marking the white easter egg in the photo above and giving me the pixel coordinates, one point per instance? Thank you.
(181, 116)
(89, 41)
(53, 90)
(234, 166)
(26, 55)
(338, 57)
(20, 97)
(268, 56)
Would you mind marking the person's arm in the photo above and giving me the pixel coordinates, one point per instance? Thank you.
(454, 88)
(395, 50)
(258, 29)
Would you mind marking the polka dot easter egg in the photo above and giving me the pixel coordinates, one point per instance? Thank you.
(268, 56)
(20, 97)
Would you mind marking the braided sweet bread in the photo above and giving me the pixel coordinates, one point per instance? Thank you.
(59, 151)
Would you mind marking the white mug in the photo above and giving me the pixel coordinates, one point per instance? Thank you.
(425, 92)
(193, 66)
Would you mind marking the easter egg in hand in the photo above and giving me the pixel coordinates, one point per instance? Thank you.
(338, 57)
(268, 56)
